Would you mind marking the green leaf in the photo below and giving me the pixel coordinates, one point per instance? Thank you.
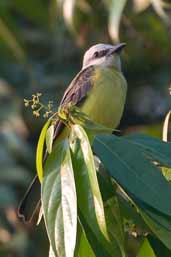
(90, 205)
(114, 222)
(82, 245)
(157, 149)
(115, 13)
(39, 151)
(59, 201)
(112, 211)
(49, 138)
(130, 214)
(157, 222)
(158, 247)
(51, 252)
(167, 173)
(146, 250)
(130, 166)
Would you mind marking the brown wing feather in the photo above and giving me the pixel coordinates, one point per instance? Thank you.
(76, 93)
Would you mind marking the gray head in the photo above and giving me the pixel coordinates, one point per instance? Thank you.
(103, 55)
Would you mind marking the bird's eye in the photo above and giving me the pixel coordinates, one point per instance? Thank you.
(96, 54)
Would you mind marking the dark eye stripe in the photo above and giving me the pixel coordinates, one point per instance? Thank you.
(100, 53)
(103, 52)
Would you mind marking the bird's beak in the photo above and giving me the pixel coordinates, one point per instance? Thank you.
(116, 48)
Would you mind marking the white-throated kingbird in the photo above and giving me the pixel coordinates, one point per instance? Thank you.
(99, 90)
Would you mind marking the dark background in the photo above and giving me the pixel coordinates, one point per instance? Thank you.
(41, 48)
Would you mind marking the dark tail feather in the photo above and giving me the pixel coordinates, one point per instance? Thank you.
(30, 205)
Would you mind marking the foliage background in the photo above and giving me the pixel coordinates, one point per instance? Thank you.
(41, 47)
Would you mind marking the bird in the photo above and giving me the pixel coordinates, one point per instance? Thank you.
(99, 90)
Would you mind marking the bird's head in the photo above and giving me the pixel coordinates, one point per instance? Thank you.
(104, 55)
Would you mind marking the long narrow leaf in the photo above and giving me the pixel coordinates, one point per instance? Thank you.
(82, 245)
(157, 222)
(158, 247)
(163, 234)
(49, 138)
(39, 151)
(59, 201)
(91, 210)
(146, 250)
(112, 211)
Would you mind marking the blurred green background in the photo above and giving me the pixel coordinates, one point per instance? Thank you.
(41, 47)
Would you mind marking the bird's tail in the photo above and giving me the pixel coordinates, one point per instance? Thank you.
(30, 205)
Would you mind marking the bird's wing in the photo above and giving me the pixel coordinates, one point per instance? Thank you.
(76, 93)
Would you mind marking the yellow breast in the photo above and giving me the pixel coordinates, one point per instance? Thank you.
(105, 101)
